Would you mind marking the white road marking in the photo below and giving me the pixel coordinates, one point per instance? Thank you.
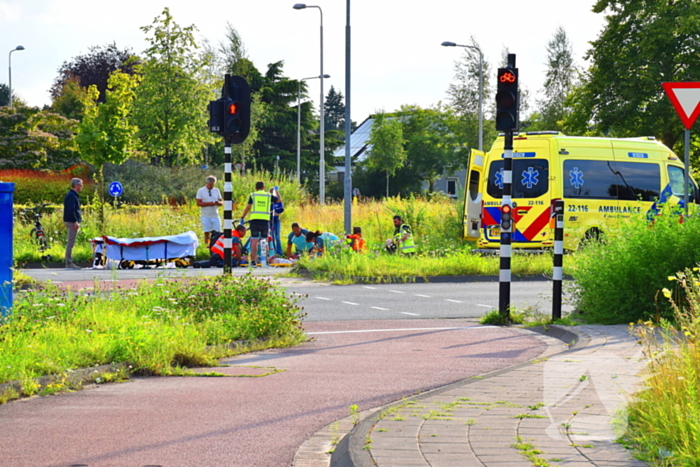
(453, 301)
(407, 313)
(485, 306)
(400, 330)
(379, 308)
(368, 287)
(323, 298)
(420, 295)
(350, 303)
(396, 291)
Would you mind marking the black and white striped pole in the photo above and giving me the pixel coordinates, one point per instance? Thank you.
(506, 228)
(506, 121)
(228, 206)
(558, 273)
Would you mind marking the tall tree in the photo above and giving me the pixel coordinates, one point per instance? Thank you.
(334, 110)
(171, 101)
(71, 102)
(387, 151)
(560, 80)
(434, 145)
(463, 94)
(94, 68)
(643, 43)
(106, 133)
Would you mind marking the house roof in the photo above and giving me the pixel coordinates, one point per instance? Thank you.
(359, 140)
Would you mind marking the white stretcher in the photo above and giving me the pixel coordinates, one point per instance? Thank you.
(180, 249)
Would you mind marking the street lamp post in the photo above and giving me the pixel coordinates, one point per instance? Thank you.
(19, 47)
(322, 131)
(299, 126)
(481, 87)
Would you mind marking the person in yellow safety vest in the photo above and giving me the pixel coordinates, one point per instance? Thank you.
(259, 204)
(403, 237)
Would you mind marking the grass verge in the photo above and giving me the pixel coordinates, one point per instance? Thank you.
(158, 328)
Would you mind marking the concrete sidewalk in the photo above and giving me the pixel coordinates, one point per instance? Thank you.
(566, 408)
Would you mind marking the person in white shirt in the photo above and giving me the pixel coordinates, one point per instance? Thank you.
(209, 199)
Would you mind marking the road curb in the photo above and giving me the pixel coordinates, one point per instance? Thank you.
(420, 279)
(351, 451)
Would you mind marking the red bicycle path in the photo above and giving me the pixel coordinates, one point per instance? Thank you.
(261, 416)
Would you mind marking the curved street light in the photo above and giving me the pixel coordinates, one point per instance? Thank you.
(322, 162)
(299, 125)
(19, 47)
(481, 87)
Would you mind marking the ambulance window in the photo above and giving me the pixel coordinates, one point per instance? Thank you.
(530, 178)
(590, 179)
(637, 181)
(474, 185)
(676, 178)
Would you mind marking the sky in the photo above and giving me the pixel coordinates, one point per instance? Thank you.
(396, 57)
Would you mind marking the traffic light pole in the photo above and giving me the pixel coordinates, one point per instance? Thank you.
(228, 206)
(506, 228)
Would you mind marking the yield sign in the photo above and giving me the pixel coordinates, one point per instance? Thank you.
(685, 97)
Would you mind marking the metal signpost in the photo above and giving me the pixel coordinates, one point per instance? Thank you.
(116, 189)
(685, 97)
(558, 273)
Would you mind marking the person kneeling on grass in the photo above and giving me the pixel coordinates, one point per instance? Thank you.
(321, 241)
(356, 242)
(237, 253)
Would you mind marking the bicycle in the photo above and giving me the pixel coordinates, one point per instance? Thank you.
(37, 232)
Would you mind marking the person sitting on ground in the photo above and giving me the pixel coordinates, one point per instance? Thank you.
(237, 253)
(321, 241)
(356, 242)
(297, 239)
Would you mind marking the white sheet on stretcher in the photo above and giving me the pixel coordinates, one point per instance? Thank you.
(152, 248)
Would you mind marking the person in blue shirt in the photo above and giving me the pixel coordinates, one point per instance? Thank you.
(277, 208)
(297, 239)
(321, 241)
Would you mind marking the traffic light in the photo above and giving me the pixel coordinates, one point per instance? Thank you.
(237, 109)
(507, 98)
(216, 116)
(506, 218)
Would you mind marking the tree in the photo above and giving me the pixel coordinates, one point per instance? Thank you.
(644, 43)
(34, 139)
(171, 101)
(71, 102)
(4, 94)
(434, 144)
(334, 111)
(106, 134)
(387, 146)
(463, 95)
(560, 80)
(94, 68)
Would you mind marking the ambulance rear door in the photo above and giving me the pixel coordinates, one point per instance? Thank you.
(473, 196)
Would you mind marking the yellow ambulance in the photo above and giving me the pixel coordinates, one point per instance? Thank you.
(601, 180)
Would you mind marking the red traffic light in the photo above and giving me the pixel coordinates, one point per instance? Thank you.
(505, 209)
(233, 108)
(507, 77)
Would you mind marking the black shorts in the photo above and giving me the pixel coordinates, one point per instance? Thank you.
(259, 228)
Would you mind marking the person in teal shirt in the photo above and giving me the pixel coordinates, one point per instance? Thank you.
(321, 241)
(297, 239)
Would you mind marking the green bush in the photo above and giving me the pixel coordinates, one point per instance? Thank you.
(148, 184)
(618, 281)
(35, 187)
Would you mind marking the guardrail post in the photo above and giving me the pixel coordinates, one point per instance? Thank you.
(6, 258)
